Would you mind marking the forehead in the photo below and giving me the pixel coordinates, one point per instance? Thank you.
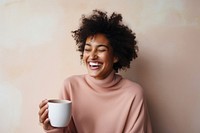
(97, 39)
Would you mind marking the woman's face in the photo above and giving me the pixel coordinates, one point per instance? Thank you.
(98, 56)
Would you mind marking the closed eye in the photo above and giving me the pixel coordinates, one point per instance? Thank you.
(87, 50)
(101, 50)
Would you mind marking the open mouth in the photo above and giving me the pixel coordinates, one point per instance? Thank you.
(95, 65)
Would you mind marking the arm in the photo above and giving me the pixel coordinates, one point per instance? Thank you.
(65, 94)
(138, 120)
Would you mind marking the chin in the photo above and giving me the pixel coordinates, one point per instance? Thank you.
(94, 75)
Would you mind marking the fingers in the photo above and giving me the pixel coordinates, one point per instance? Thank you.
(43, 112)
(46, 124)
(44, 102)
(45, 121)
(43, 115)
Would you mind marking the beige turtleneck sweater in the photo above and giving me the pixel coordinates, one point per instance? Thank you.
(112, 105)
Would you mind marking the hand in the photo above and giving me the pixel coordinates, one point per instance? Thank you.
(43, 115)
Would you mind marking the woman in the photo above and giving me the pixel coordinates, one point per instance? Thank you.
(103, 101)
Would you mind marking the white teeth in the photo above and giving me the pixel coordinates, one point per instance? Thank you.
(94, 64)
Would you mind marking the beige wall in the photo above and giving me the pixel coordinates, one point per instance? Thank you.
(37, 52)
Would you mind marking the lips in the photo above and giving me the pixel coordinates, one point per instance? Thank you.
(95, 65)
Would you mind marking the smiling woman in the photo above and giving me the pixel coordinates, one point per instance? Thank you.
(120, 37)
(102, 100)
(98, 56)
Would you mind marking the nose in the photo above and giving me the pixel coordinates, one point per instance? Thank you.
(93, 55)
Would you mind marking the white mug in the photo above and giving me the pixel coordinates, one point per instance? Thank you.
(59, 112)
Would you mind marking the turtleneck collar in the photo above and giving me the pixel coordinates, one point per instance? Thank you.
(106, 84)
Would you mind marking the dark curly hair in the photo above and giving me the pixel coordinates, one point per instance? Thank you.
(120, 37)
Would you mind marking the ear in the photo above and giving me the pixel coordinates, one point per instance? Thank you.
(115, 59)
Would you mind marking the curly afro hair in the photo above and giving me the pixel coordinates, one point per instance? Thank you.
(121, 38)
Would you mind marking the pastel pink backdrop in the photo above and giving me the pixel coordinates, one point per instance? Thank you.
(37, 52)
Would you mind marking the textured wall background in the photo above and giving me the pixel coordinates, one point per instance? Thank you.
(37, 52)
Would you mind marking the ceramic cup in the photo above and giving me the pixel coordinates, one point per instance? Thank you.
(59, 112)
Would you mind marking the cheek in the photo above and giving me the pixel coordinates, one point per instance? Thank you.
(107, 56)
(84, 58)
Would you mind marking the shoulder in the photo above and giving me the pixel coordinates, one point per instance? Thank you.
(73, 79)
(132, 88)
(72, 82)
(131, 84)
(69, 85)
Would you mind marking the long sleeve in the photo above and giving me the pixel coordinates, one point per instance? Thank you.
(138, 119)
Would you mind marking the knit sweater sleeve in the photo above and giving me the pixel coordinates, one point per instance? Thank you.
(138, 120)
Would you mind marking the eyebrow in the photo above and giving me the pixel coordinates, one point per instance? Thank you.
(100, 45)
